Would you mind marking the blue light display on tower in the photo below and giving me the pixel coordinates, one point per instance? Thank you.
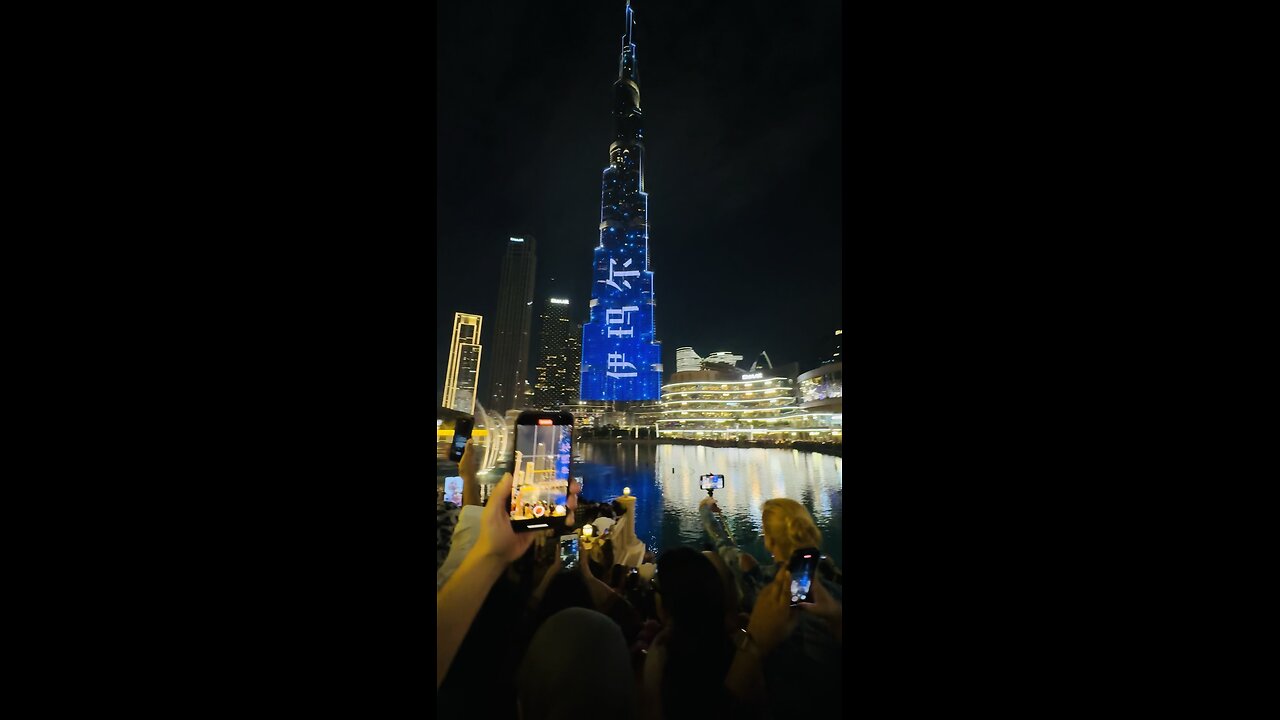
(621, 359)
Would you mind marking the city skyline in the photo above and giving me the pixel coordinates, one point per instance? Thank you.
(743, 151)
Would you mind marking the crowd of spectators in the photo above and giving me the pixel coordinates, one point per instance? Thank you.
(690, 633)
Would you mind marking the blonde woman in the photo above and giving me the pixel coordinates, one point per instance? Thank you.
(783, 646)
(786, 526)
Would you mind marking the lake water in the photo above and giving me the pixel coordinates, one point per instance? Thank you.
(667, 501)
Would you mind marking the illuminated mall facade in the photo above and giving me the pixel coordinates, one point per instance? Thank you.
(729, 404)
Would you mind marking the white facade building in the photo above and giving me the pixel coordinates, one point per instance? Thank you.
(687, 360)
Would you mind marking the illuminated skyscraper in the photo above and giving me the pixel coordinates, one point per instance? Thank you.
(621, 359)
(464, 363)
(556, 376)
(510, 344)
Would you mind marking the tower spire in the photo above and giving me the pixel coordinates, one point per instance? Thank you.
(626, 39)
(627, 64)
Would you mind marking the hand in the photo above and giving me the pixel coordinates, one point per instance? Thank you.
(772, 619)
(710, 501)
(575, 487)
(468, 467)
(824, 606)
(497, 539)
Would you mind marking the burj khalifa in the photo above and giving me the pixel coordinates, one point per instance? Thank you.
(621, 358)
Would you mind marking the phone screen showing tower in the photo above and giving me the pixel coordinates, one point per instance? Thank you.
(540, 482)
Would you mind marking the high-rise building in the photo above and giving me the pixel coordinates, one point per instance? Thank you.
(556, 376)
(574, 381)
(464, 364)
(621, 357)
(510, 343)
(687, 360)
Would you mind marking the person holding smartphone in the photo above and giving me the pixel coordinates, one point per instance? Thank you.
(466, 529)
(806, 647)
(496, 546)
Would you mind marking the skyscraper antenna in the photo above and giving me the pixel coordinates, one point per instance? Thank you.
(626, 39)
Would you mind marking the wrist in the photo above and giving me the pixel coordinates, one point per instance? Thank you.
(488, 556)
(747, 644)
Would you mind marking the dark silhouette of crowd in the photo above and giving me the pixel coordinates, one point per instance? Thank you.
(688, 634)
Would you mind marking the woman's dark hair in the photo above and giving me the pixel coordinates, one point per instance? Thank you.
(520, 575)
(566, 590)
(616, 575)
(619, 509)
(699, 651)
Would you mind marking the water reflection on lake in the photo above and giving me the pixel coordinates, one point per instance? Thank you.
(667, 501)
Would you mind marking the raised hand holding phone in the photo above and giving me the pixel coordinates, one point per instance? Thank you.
(469, 468)
(497, 538)
(461, 437)
(540, 467)
(822, 604)
(567, 558)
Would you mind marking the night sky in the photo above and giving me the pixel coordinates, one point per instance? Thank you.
(742, 118)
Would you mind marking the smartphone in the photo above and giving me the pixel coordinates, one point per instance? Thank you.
(711, 482)
(804, 568)
(453, 490)
(461, 433)
(540, 470)
(568, 552)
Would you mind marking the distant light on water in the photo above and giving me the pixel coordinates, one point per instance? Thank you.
(667, 515)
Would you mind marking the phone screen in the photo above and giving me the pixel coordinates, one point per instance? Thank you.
(712, 482)
(804, 565)
(569, 551)
(461, 433)
(453, 490)
(540, 476)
